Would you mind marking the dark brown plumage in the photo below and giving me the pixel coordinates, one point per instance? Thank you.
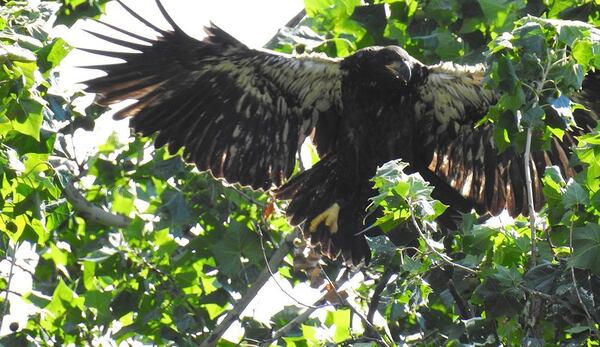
(242, 114)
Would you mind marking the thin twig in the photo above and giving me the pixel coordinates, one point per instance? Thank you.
(345, 302)
(271, 272)
(363, 318)
(353, 341)
(444, 257)
(543, 295)
(304, 315)
(529, 184)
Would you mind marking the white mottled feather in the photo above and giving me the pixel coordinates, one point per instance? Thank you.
(450, 90)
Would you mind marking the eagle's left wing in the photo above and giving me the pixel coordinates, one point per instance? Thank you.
(462, 160)
(238, 112)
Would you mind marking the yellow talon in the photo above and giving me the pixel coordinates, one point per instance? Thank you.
(329, 217)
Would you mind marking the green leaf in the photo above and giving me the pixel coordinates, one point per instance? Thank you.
(443, 11)
(563, 107)
(556, 7)
(51, 55)
(572, 76)
(578, 329)
(574, 195)
(495, 11)
(448, 45)
(165, 169)
(27, 118)
(100, 301)
(72, 10)
(531, 38)
(122, 201)
(499, 300)
(341, 320)
(16, 53)
(480, 238)
(533, 117)
(507, 75)
(382, 247)
(331, 9)
(586, 247)
(542, 278)
(513, 100)
(583, 52)
(176, 207)
(571, 31)
(238, 242)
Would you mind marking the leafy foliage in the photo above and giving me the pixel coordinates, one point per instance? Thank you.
(191, 245)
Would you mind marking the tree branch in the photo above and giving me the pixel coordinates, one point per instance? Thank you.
(464, 309)
(530, 203)
(376, 297)
(369, 327)
(302, 316)
(294, 21)
(293, 323)
(93, 213)
(536, 304)
(234, 314)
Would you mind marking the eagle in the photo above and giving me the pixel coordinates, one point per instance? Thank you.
(243, 113)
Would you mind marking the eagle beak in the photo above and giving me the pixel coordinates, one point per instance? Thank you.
(401, 70)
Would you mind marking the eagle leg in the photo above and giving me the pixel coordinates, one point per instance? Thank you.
(329, 217)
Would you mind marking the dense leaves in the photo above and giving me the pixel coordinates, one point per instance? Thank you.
(185, 248)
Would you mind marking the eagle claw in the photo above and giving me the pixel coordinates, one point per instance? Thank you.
(329, 217)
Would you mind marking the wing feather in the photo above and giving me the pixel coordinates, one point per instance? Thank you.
(449, 104)
(238, 112)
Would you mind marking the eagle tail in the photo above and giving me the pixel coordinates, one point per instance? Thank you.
(313, 193)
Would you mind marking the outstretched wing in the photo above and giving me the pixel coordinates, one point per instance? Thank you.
(238, 112)
(460, 158)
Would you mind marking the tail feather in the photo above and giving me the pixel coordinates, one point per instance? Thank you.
(312, 188)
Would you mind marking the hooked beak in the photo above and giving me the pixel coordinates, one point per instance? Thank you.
(401, 70)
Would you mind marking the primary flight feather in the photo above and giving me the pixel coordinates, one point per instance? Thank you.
(242, 114)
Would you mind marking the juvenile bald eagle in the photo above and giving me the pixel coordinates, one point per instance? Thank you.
(242, 114)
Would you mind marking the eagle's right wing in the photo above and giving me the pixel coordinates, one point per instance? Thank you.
(238, 112)
(463, 161)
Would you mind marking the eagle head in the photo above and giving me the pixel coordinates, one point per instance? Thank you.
(384, 67)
